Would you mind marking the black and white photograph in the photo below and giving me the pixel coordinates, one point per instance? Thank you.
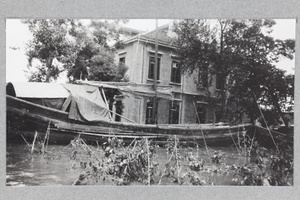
(181, 102)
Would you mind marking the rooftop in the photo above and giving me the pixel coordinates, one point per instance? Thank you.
(163, 36)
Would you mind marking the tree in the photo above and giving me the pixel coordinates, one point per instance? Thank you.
(101, 67)
(106, 31)
(85, 52)
(254, 54)
(199, 50)
(95, 60)
(51, 40)
(241, 54)
(277, 91)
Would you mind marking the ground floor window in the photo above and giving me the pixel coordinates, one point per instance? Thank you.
(149, 112)
(201, 112)
(174, 113)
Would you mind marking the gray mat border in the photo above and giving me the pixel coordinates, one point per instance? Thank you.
(167, 9)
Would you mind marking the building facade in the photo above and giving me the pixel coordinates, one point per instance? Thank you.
(186, 100)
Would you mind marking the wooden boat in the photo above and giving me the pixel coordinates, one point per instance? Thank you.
(27, 117)
(269, 137)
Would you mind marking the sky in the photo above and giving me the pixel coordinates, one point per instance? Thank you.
(18, 35)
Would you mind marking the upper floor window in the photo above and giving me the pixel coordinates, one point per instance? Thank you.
(152, 66)
(122, 60)
(175, 73)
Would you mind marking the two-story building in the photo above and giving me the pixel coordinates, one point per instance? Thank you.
(180, 98)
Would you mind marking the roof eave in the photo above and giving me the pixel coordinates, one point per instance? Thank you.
(148, 40)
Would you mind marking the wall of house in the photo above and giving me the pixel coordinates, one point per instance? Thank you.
(189, 84)
(165, 55)
(188, 112)
(133, 60)
(189, 115)
(133, 109)
(209, 115)
(163, 111)
(137, 59)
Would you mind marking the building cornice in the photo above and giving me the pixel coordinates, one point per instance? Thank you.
(140, 38)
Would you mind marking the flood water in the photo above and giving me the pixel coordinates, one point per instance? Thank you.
(26, 169)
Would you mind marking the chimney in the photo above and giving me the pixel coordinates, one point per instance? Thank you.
(171, 32)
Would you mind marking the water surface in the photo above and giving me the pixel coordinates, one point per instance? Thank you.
(57, 168)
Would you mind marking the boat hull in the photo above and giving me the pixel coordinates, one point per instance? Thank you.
(269, 137)
(25, 118)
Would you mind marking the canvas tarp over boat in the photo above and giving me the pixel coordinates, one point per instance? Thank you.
(85, 102)
(45, 94)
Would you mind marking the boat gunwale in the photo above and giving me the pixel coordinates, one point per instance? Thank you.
(162, 127)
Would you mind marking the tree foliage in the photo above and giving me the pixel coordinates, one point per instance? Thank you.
(242, 55)
(51, 40)
(84, 51)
